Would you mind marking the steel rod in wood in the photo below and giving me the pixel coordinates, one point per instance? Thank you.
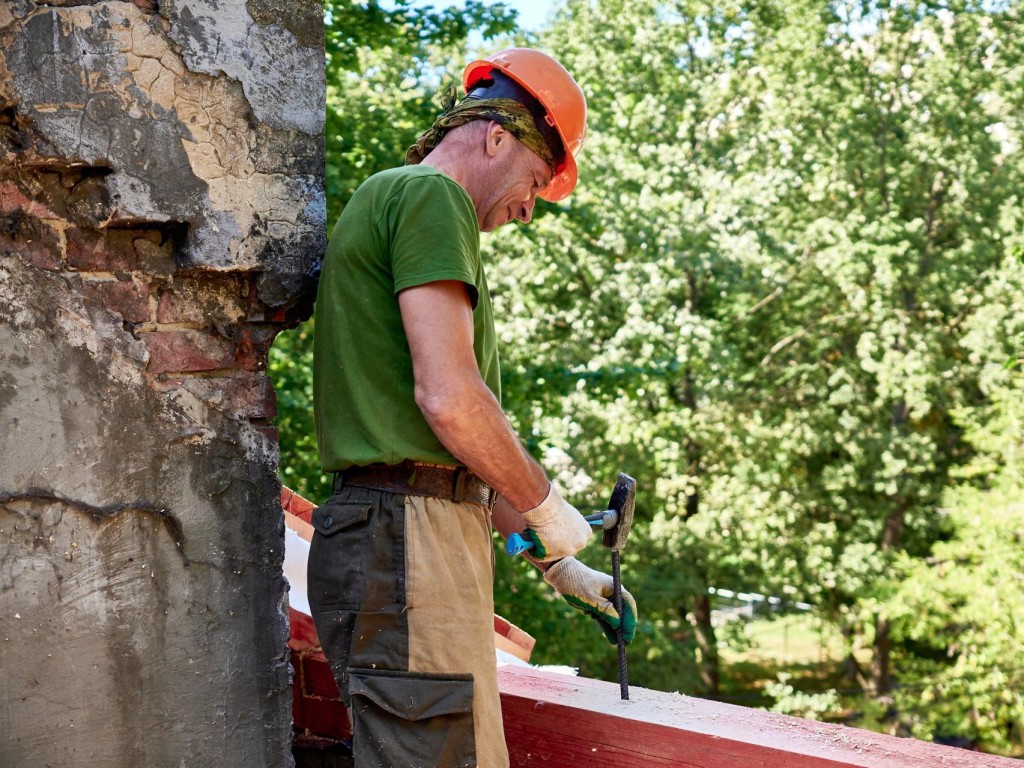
(621, 641)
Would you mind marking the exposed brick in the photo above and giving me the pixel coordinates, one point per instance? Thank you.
(255, 310)
(270, 434)
(317, 678)
(324, 716)
(211, 300)
(129, 298)
(30, 239)
(182, 351)
(92, 251)
(13, 199)
(39, 255)
(249, 396)
(154, 257)
(254, 345)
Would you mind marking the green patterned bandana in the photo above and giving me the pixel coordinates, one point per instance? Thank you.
(510, 114)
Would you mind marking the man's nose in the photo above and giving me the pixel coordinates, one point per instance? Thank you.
(526, 210)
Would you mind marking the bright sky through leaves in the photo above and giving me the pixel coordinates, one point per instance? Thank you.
(532, 13)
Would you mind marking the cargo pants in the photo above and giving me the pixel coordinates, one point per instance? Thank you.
(401, 592)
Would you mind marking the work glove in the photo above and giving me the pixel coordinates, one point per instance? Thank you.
(592, 592)
(556, 528)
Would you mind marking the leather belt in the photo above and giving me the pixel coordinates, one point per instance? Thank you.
(412, 478)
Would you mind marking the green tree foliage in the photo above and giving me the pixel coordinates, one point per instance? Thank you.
(902, 190)
(956, 613)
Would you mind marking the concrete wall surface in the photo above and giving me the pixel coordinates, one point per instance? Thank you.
(161, 219)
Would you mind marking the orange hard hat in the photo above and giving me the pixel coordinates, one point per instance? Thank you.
(556, 91)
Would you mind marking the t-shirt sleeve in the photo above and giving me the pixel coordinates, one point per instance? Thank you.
(433, 235)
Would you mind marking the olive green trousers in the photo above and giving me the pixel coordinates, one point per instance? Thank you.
(401, 592)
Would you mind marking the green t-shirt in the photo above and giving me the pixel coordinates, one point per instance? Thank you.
(402, 228)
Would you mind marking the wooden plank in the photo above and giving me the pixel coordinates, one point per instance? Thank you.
(553, 719)
(295, 504)
(300, 526)
(511, 639)
(302, 633)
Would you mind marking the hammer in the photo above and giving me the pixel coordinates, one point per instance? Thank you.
(615, 522)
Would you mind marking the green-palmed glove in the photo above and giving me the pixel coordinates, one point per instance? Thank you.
(591, 592)
(557, 529)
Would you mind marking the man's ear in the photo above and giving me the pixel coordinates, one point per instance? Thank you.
(497, 138)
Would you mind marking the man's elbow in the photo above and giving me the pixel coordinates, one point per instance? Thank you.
(439, 406)
(450, 403)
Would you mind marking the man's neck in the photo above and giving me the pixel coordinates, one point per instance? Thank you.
(441, 161)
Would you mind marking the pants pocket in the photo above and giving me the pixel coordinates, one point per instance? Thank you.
(336, 568)
(412, 720)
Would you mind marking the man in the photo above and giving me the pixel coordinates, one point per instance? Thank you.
(406, 395)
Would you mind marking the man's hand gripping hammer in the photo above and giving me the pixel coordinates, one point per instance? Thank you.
(615, 522)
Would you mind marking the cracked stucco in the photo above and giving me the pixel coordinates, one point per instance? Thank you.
(185, 108)
(220, 36)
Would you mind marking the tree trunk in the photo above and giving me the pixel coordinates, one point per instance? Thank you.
(707, 644)
(700, 615)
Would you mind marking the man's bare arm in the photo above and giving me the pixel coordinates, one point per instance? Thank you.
(455, 401)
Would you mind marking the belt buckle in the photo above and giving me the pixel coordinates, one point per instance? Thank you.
(459, 484)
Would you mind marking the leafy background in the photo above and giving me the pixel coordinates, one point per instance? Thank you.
(788, 297)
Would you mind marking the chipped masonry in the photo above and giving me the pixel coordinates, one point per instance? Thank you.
(161, 219)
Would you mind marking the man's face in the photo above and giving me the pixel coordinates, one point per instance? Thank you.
(514, 179)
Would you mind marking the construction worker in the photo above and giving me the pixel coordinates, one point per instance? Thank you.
(408, 419)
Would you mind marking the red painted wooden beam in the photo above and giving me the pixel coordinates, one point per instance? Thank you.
(553, 719)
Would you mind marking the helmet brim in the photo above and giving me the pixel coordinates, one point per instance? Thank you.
(562, 183)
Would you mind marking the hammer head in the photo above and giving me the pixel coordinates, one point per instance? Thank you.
(623, 502)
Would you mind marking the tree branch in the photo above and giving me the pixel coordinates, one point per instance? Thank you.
(783, 343)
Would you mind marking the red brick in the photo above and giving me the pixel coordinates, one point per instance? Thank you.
(13, 199)
(323, 718)
(153, 256)
(270, 434)
(41, 256)
(100, 251)
(247, 396)
(129, 298)
(212, 299)
(30, 239)
(317, 678)
(254, 345)
(320, 716)
(182, 351)
(255, 310)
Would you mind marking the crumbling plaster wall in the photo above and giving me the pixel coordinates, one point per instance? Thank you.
(161, 219)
